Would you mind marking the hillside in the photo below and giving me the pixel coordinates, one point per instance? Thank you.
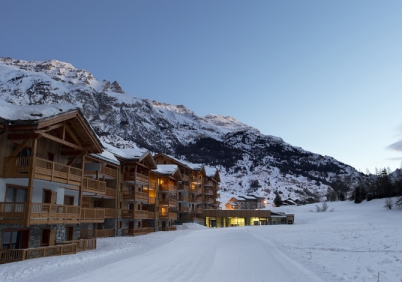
(249, 162)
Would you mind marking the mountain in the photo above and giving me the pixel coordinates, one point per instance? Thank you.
(249, 162)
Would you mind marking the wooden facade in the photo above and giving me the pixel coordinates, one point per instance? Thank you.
(59, 184)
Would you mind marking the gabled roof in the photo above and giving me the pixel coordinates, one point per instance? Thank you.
(191, 166)
(131, 154)
(48, 121)
(170, 170)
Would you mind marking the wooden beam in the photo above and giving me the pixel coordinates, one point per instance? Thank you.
(63, 142)
(23, 136)
(49, 128)
(2, 126)
(82, 154)
(21, 127)
(19, 148)
(31, 176)
(72, 135)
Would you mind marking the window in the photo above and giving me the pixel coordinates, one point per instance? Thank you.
(69, 200)
(120, 224)
(16, 194)
(15, 239)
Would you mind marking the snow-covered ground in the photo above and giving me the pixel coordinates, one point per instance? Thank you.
(351, 243)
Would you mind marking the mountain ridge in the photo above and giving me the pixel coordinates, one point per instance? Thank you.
(249, 162)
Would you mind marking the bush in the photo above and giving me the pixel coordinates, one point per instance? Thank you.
(389, 204)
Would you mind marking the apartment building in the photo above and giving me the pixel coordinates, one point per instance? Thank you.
(42, 180)
(198, 189)
(61, 187)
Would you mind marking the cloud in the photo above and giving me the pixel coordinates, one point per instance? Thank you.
(397, 146)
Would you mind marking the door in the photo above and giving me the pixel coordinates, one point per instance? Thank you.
(48, 237)
(15, 239)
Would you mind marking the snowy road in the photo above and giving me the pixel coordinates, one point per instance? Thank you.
(232, 254)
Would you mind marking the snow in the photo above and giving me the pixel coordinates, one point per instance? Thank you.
(131, 153)
(32, 112)
(166, 169)
(352, 243)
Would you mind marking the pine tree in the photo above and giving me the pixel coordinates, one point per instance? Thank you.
(277, 200)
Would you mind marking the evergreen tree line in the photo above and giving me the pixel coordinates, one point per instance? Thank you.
(380, 185)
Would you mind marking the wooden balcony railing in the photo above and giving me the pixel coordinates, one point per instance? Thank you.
(209, 200)
(130, 176)
(138, 196)
(167, 201)
(13, 213)
(18, 167)
(138, 231)
(96, 215)
(93, 185)
(152, 200)
(183, 199)
(196, 190)
(109, 171)
(135, 214)
(184, 209)
(101, 233)
(110, 213)
(208, 192)
(168, 215)
(207, 183)
(83, 244)
(23, 254)
(42, 213)
(151, 215)
(111, 192)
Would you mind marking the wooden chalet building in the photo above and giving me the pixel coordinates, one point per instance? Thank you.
(197, 190)
(42, 180)
(61, 187)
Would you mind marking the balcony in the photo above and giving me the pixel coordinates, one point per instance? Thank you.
(208, 192)
(168, 215)
(110, 192)
(209, 200)
(138, 231)
(131, 176)
(18, 167)
(167, 201)
(207, 183)
(101, 233)
(137, 196)
(107, 171)
(183, 199)
(110, 213)
(16, 213)
(95, 215)
(54, 214)
(184, 209)
(169, 228)
(66, 248)
(137, 214)
(196, 190)
(94, 186)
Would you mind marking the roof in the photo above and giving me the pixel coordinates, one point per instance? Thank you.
(107, 156)
(168, 169)
(33, 112)
(210, 171)
(189, 165)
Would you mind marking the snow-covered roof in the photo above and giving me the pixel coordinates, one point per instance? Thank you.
(166, 169)
(107, 156)
(191, 166)
(32, 112)
(210, 171)
(131, 153)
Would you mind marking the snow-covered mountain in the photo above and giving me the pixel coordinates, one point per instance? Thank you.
(249, 162)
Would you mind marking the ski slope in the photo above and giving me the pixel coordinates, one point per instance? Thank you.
(351, 243)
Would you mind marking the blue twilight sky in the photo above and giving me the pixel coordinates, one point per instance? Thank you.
(323, 75)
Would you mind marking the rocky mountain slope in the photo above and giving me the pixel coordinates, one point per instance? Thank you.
(249, 162)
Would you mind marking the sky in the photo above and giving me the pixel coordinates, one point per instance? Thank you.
(322, 75)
